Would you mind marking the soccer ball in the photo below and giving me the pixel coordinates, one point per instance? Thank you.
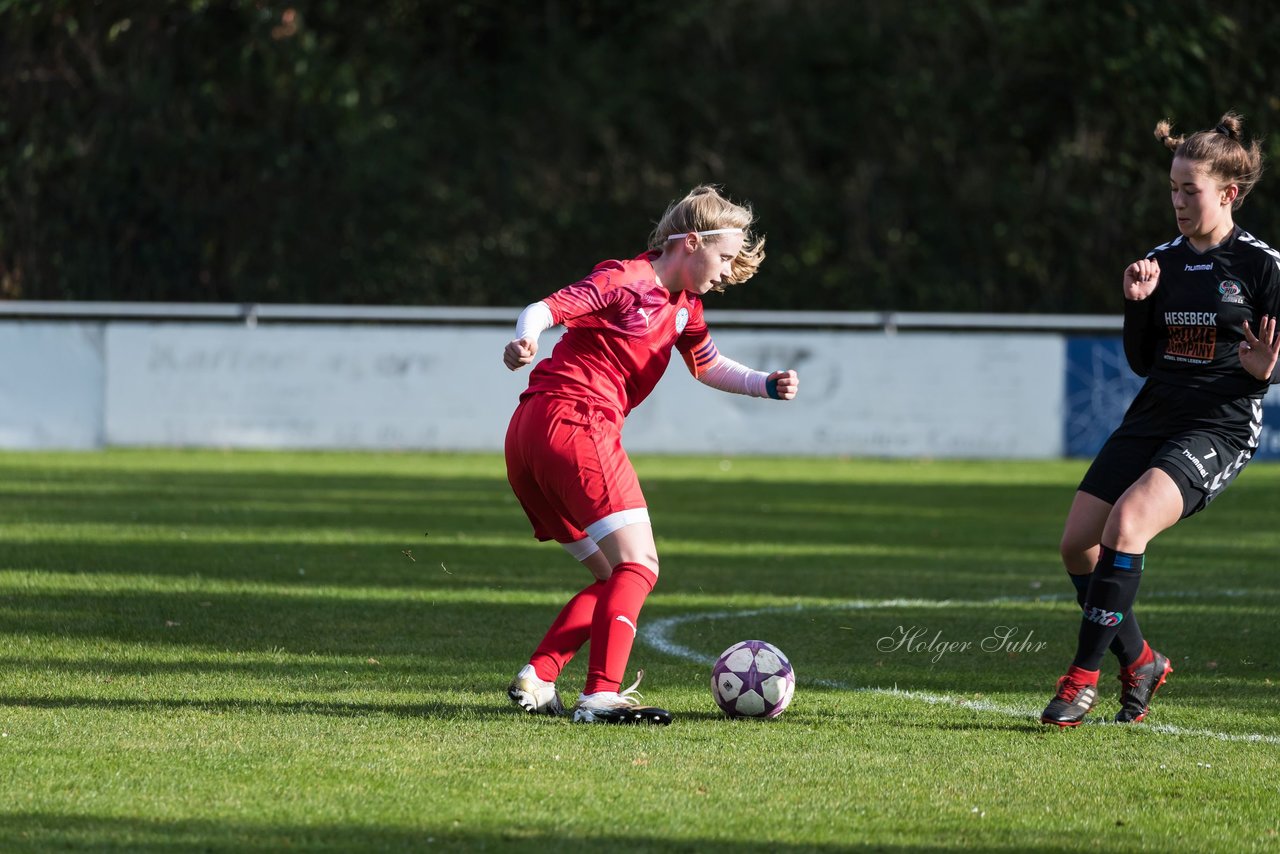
(752, 679)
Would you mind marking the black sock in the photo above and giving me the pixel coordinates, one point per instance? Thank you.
(1128, 641)
(1108, 604)
(1082, 587)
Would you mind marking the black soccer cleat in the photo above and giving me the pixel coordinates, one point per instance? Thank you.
(624, 714)
(1073, 701)
(612, 707)
(1138, 685)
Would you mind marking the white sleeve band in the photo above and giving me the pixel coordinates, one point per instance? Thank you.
(728, 375)
(534, 320)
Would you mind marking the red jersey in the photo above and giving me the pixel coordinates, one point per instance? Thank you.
(622, 325)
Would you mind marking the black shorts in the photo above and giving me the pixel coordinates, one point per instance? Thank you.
(1200, 442)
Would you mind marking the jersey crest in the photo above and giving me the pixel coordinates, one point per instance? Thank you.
(682, 319)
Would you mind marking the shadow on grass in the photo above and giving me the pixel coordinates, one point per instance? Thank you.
(425, 709)
(22, 832)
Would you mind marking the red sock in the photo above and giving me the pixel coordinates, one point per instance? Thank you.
(1145, 657)
(1080, 676)
(569, 631)
(613, 628)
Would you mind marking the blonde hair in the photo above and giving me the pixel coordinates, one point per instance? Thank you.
(705, 209)
(1221, 150)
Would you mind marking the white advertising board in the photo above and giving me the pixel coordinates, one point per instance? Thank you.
(302, 386)
(51, 385)
(444, 388)
(870, 394)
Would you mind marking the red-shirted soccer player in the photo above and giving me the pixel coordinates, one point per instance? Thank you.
(564, 452)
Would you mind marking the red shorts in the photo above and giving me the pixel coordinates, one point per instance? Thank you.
(566, 464)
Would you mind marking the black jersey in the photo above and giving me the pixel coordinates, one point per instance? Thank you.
(1188, 332)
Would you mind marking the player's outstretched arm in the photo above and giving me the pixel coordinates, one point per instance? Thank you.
(1259, 353)
(724, 374)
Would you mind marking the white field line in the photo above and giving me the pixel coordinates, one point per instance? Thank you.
(658, 634)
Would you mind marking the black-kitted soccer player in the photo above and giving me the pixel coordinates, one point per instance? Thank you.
(1200, 325)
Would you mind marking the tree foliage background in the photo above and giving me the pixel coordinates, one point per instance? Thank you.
(974, 155)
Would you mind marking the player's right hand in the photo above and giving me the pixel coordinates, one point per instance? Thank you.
(1140, 279)
(519, 353)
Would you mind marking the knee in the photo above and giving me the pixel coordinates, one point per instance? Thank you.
(642, 552)
(1078, 557)
(1067, 550)
(1128, 528)
(645, 572)
(631, 544)
(649, 562)
(646, 559)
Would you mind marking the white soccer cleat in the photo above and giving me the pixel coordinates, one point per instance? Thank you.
(533, 695)
(613, 707)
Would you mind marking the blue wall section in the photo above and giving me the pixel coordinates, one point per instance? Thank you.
(1100, 386)
(1099, 389)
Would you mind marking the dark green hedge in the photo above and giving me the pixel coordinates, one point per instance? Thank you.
(972, 155)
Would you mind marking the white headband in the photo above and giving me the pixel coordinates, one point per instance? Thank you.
(705, 233)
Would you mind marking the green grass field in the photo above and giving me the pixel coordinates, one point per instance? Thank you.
(263, 652)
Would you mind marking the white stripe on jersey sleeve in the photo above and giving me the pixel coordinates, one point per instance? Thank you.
(1253, 241)
(1165, 246)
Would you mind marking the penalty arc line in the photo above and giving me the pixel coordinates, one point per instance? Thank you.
(658, 635)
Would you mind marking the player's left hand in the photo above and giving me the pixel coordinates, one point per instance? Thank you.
(1258, 353)
(788, 383)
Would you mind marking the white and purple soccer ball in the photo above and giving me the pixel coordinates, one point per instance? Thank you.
(752, 679)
